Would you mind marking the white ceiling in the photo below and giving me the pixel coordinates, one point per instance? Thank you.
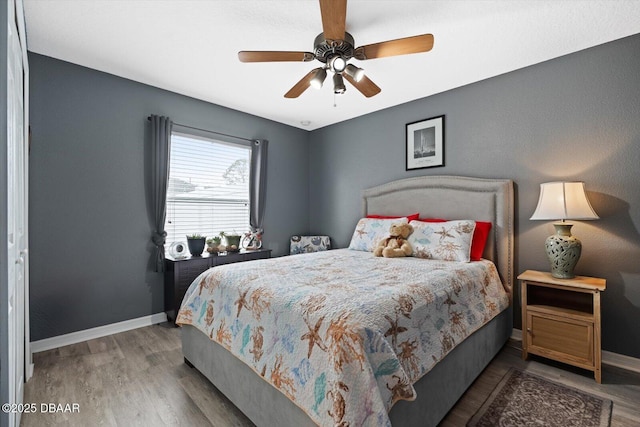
(190, 47)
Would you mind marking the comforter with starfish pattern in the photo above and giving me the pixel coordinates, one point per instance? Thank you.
(343, 334)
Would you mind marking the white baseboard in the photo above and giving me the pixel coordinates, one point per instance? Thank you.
(621, 361)
(608, 358)
(100, 331)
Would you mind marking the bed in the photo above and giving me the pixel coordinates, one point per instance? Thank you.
(417, 391)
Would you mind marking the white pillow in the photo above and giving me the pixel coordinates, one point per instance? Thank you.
(370, 231)
(446, 241)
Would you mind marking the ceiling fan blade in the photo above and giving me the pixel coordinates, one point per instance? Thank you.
(404, 46)
(334, 18)
(302, 85)
(365, 85)
(274, 56)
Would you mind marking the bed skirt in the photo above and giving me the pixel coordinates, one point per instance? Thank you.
(438, 390)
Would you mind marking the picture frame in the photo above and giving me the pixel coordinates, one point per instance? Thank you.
(425, 143)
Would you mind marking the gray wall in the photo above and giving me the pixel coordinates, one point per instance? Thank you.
(4, 271)
(90, 226)
(573, 118)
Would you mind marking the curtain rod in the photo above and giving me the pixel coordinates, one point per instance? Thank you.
(209, 131)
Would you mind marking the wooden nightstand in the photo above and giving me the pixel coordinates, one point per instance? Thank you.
(561, 319)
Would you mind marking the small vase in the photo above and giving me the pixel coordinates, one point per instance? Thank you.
(233, 243)
(196, 246)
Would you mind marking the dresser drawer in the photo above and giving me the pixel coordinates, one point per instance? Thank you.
(189, 272)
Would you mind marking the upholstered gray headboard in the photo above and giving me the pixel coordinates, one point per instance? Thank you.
(454, 197)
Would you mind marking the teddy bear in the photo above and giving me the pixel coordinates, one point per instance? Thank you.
(396, 245)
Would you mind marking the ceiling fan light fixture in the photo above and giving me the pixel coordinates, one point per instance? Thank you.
(356, 73)
(318, 78)
(337, 64)
(338, 84)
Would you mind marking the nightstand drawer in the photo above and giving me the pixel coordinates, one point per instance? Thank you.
(560, 338)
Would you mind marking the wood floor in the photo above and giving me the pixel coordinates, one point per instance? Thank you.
(138, 378)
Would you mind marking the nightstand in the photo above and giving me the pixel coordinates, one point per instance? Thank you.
(561, 319)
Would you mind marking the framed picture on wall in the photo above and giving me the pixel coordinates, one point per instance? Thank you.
(425, 143)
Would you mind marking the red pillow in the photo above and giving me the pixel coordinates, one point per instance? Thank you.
(479, 240)
(480, 235)
(412, 217)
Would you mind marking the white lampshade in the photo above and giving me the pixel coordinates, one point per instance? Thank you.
(563, 200)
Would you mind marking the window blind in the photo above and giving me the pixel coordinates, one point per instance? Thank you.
(208, 187)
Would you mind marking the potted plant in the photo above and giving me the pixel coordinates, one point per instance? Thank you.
(213, 245)
(196, 244)
(233, 241)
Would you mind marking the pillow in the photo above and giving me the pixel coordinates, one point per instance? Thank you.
(369, 231)
(410, 218)
(446, 241)
(479, 240)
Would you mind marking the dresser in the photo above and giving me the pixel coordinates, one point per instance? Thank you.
(180, 273)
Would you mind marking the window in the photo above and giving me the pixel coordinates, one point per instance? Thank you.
(208, 187)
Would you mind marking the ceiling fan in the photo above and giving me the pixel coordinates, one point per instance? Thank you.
(334, 47)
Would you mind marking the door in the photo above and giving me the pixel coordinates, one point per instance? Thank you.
(16, 208)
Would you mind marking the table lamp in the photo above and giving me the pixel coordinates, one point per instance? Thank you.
(562, 201)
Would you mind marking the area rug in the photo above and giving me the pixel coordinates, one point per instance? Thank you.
(524, 399)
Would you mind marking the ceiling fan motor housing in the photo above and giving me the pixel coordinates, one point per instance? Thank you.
(325, 49)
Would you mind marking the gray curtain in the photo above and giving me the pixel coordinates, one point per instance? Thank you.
(258, 184)
(160, 151)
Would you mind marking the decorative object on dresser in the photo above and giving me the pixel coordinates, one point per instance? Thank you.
(180, 272)
(232, 241)
(196, 244)
(252, 240)
(561, 201)
(178, 250)
(561, 319)
(213, 245)
(425, 143)
(525, 399)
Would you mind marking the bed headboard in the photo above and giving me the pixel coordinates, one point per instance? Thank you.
(454, 197)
